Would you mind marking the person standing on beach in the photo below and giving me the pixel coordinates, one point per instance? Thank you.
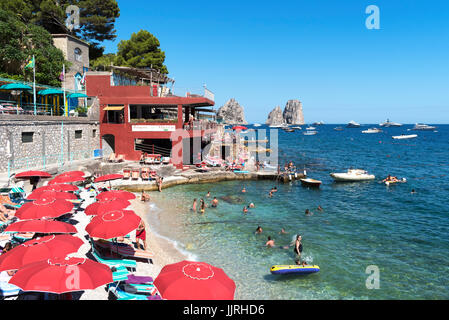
(141, 235)
(259, 230)
(194, 205)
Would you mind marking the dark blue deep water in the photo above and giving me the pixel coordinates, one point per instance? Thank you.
(364, 224)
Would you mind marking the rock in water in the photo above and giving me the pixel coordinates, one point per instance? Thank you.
(275, 117)
(232, 113)
(293, 112)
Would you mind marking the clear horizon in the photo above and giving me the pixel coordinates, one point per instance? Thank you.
(263, 54)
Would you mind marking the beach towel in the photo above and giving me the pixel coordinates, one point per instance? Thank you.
(132, 279)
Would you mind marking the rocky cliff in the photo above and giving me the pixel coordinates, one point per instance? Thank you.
(232, 113)
(275, 117)
(293, 112)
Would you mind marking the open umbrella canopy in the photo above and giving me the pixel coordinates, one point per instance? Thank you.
(50, 91)
(77, 95)
(41, 226)
(67, 178)
(51, 194)
(115, 194)
(61, 187)
(113, 224)
(15, 86)
(44, 208)
(30, 174)
(108, 177)
(61, 275)
(39, 249)
(105, 206)
(70, 174)
(188, 280)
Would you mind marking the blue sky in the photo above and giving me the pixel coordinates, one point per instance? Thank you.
(263, 53)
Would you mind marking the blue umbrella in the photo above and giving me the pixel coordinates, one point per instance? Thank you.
(15, 86)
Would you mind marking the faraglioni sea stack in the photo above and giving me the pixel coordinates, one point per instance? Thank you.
(275, 117)
(231, 113)
(292, 114)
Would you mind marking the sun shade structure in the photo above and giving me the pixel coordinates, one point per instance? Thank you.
(189, 280)
(108, 177)
(50, 91)
(113, 224)
(61, 275)
(61, 187)
(51, 194)
(39, 249)
(31, 174)
(100, 207)
(77, 95)
(15, 86)
(115, 194)
(44, 208)
(68, 177)
(41, 226)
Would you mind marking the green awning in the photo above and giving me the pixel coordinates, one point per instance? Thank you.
(77, 95)
(50, 91)
(15, 86)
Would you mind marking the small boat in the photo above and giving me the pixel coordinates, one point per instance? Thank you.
(423, 127)
(297, 128)
(257, 125)
(338, 129)
(405, 136)
(288, 129)
(310, 133)
(372, 130)
(388, 124)
(353, 124)
(308, 182)
(353, 175)
(389, 183)
(319, 123)
(310, 128)
(294, 269)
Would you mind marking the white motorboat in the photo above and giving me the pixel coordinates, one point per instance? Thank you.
(388, 124)
(353, 175)
(257, 125)
(310, 128)
(353, 124)
(405, 136)
(297, 128)
(310, 133)
(319, 123)
(372, 130)
(423, 127)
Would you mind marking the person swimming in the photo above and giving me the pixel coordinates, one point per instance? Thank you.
(243, 190)
(202, 206)
(308, 213)
(283, 231)
(270, 242)
(320, 209)
(214, 202)
(251, 205)
(259, 230)
(208, 195)
(245, 210)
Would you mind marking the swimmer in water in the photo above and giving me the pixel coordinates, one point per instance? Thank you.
(308, 213)
(202, 206)
(283, 231)
(319, 208)
(245, 210)
(413, 191)
(270, 195)
(194, 205)
(243, 190)
(214, 202)
(208, 195)
(251, 205)
(259, 230)
(270, 242)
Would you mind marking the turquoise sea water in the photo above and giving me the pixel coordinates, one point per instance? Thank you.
(405, 235)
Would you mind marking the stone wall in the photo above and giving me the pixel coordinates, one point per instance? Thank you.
(55, 140)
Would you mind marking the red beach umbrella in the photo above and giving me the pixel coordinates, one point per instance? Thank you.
(115, 194)
(239, 128)
(67, 179)
(30, 174)
(108, 177)
(70, 174)
(113, 224)
(51, 194)
(188, 280)
(39, 249)
(44, 208)
(105, 206)
(61, 275)
(41, 226)
(61, 187)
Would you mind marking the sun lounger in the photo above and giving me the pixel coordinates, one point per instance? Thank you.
(145, 174)
(22, 237)
(135, 174)
(114, 263)
(120, 273)
(129, 292)
(8, 290)
(149, 160)
(126, 173)
(166, 160)
(126, 250)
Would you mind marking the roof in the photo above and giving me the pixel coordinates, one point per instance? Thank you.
(65, 35)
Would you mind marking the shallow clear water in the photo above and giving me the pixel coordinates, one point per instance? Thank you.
(405, 235)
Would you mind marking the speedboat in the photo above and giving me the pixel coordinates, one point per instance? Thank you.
(423, 127)
(310, 128)
(353, 124)
(388, 124)
(353, 175)
(297, 128)
(309, 133)
(372, 130)
(405, 136)
(310, 182)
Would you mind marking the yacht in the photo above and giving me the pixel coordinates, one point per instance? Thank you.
(423, 127)
(388, 124)
(353, 124)
(353, 175)
(372, 130)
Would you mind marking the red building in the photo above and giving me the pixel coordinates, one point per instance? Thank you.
(139, 114)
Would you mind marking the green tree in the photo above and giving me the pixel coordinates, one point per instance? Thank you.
(141, 51)
(19, 42)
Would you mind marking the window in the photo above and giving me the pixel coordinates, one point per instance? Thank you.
(27, 137)
(78, 54)
(78, 134)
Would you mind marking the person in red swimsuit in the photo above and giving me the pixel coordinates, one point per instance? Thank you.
(141, 235)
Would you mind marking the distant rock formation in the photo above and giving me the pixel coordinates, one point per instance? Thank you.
(293, 112)
(275, 117)
(232, 113)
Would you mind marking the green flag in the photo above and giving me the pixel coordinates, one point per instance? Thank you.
(30, 64)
